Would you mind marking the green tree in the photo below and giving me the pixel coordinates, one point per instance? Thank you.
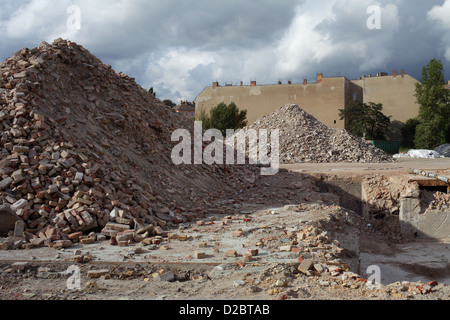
(203, 116)
(366, 120)
(223, 117)
(409, 133)
(169, 103)
(434, 113)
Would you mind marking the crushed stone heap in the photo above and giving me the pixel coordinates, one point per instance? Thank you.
(305, 139)
(84, 149)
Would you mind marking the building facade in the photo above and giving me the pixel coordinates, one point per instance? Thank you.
(186, 109)
(397, 94)
(322, 99)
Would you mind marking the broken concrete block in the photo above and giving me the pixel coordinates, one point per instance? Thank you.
(123, 221)
(19, 266)
(88, 220)
(305, 266)
(158, 230)
(231, 253)
(88, 240)
(19, 228)
(200, 255)
(22, 203)
(52, 189)
(63, 244)
(114, 214)
(21, 149)
(17, 242)
(117, 226)
(319, 268)
(75, 235)
(39, 242)
(5, 183)
(182, 237)
(166, 277)
(20, 75)
(79, 176)
(95, 274)
(125, 236)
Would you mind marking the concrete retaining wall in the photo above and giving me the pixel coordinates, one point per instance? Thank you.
(415, 224)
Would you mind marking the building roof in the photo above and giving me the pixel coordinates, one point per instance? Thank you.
(186, 106)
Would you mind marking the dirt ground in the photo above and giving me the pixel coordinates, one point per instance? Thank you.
(278, 222)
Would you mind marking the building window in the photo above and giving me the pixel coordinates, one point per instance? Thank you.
(354, 97)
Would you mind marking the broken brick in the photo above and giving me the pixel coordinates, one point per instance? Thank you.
(231, 253)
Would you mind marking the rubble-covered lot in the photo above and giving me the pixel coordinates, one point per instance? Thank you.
(304, 246)
(93, 207)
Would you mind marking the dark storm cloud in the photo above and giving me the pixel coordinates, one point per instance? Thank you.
(179, 47)
(407, 38)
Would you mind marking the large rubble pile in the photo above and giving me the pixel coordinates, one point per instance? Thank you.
(84, 149)
(305, 139)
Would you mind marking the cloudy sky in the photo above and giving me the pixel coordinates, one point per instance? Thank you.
(181, 46)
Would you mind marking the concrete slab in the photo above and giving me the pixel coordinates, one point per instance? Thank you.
(416, 261)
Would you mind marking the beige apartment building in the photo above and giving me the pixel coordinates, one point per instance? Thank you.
(322, 99)
(396, 93)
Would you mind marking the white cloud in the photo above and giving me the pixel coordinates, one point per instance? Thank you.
(302, 46)
(442, 14)
(171, 72)
(179, 47)
(35, 19)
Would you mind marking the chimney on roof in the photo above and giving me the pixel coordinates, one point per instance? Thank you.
(253, 84)
(319, 77)
(403, 73)
(215, 85)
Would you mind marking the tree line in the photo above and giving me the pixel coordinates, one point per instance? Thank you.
(431, 128)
